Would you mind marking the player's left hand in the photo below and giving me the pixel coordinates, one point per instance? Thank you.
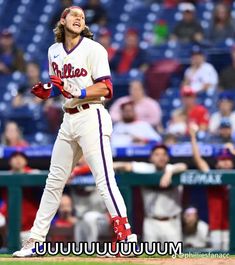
(73, 90)
(61, 85)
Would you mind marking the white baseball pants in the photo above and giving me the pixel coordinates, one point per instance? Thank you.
(87, 132)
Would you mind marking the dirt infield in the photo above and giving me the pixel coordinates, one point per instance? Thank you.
(155, 261)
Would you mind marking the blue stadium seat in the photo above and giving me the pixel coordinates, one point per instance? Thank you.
(32, 33)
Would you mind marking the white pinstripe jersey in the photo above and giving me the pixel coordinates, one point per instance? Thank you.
(84, 65)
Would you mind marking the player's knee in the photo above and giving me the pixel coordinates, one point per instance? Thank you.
(101, 190)
(101, 183)
(104, 188)
(53, 183)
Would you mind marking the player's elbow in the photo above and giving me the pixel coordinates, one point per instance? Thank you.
(107, 88)
(103, 92)
(108, 93)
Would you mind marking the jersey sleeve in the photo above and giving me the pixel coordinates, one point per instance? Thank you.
(100, 70)
(99, 64)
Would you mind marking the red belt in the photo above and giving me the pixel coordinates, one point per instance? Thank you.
(76, 110)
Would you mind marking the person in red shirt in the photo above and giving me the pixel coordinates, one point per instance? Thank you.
(131, 56)
(218, 195)
(105, 40)
(18, 162)
(65, 220)
(65, 213)
(195, 113)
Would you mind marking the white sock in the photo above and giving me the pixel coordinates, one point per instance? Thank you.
(216, 239)
(225, 240)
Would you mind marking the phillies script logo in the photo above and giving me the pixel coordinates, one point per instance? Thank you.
(68, 71)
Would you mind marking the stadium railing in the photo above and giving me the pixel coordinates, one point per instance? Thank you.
(15, 183)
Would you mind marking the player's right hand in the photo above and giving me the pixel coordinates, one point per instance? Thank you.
(41, 90)
(60, 84)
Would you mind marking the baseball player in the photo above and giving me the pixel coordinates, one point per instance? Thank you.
(162, 205)
(218, 203)
(79, 70)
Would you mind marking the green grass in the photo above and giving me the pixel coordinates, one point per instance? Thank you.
(56, 262)
(85, 256)
(62, 263)
(5, 255)
(51, 261)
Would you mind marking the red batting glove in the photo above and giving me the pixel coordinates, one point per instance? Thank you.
(42, 91)
(56, 81)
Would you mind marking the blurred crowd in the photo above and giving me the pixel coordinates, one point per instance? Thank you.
(164, 212)
(137, 121)
(197, 80)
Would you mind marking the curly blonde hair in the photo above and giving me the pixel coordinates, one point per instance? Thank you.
(60, 34)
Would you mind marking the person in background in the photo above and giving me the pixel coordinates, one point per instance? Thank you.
(218, 204)
(178, 123)
(225, 110)
(160, 32)
(131, 56)
(227, 75)
(146, 108)
(187, 30)
(11, 57)
(95, 13)
(81, 168)
(2, 229)
(51, 109)
(194, 112)
(12, 135)
(222, 26)
(65, 219)
(24, 97)
(170, 139)
(201, 76)
(104, 38)
(130, 131)
(195, 231)
(18, 163)
(162, 205)
(224, 133)
(62, 5)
